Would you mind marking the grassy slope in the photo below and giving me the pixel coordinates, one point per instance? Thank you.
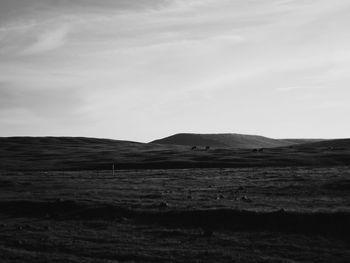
(59, 153)
(338, 143)
(71, 153)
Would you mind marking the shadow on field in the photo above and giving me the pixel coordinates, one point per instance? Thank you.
(336, 223)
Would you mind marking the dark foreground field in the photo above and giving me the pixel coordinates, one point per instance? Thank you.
(192, 215)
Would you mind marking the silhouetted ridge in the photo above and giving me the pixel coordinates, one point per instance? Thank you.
(228, 140)
(337, 143)
(190, 139)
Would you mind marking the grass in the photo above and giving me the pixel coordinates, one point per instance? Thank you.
(59, 202)
(294, 214)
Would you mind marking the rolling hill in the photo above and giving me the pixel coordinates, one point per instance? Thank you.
(232, 140)
(335, 144)
(77, 153)
(60, 153)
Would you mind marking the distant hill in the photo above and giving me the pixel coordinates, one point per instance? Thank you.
(59, 153)
(336, 143)
(77, 153)
(302, 141)
(232, 140)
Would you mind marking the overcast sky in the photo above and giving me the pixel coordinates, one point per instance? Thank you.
(144, 69)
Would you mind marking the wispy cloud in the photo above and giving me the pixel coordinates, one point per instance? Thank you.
(48, 41)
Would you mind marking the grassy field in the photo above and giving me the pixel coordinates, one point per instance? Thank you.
(292, 214)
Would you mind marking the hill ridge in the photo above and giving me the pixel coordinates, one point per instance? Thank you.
(234, 140)
(77, 153)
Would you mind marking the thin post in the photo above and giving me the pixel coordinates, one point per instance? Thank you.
(113, 169)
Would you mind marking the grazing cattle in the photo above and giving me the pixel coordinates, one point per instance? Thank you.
(194, 148)
(258, 150)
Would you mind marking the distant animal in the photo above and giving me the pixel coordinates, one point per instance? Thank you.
(207, 148)
(258, 150)
(194, 148)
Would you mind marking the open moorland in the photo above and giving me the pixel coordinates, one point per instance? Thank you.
(285, 204)
(75, 153)
(189, 215)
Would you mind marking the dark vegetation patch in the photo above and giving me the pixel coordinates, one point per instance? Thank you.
(336, 223)
(5, 183)
(338, 185)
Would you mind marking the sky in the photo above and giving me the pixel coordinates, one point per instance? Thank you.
(140, 70)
